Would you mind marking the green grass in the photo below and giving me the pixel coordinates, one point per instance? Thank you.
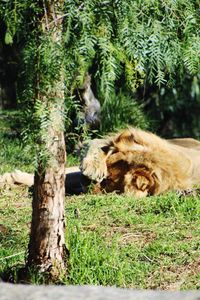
(148, 243)
(113, 240)
(116, 240)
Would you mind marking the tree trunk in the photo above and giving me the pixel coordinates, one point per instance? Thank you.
(47, 242)
(47, 251)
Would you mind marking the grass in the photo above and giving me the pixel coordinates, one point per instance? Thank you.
(13, 152)
(148, 243)
(113, 240)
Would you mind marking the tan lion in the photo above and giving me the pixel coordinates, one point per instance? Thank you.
(141, 163)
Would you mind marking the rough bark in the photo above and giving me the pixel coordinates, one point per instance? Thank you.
(47, 251)
(47, 243)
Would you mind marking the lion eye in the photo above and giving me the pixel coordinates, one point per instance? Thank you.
(105, 149)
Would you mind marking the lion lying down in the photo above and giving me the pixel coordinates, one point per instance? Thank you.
(134, 162)
(75, 182)
(140, 163)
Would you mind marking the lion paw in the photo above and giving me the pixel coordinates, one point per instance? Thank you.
(95, 168)
(94, 164)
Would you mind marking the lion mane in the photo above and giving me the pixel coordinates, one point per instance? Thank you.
(140, 163)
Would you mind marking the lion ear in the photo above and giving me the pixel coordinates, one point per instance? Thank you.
(128, 141)
(125, 137)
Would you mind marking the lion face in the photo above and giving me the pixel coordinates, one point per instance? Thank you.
(127, 178)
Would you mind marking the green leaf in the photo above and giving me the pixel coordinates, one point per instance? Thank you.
(8, 38)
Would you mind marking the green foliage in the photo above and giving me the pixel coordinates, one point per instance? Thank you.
(176, 110)
(15, 152)
(126, 45)
(16, 14)
(131, 44)
(41, 84)
(134, 38)
(8, 38)
(75, 126)
(120, 111)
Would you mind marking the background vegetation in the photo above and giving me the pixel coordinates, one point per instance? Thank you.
(144, 59)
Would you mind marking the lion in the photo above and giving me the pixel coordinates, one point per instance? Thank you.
(75, 181)
(186, 142)
(140, 163)
(134, 162)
